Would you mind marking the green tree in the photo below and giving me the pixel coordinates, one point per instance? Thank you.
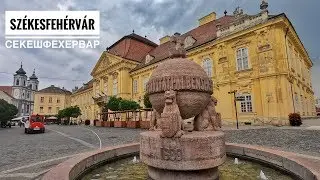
(128, 105)
(113, 103)
(7, 111)
(72, 111)
(118, 104)
(146, 101)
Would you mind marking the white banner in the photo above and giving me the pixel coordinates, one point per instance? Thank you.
(52, 23)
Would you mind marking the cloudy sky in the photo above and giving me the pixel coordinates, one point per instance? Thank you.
(70, 67)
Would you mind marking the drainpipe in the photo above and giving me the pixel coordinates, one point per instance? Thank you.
(285, 37)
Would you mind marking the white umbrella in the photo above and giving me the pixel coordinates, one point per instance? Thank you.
(52, 117)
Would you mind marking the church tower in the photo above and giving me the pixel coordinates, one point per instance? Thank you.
(33, 81)
(23, 91)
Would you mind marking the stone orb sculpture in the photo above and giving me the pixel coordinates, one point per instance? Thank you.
(187, 78)
(179, 89)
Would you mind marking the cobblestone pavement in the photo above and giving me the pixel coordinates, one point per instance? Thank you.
(29, 156)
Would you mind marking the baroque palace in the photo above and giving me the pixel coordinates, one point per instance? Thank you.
(260, 56)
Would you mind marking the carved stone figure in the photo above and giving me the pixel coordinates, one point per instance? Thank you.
(170, 120)
(207, 117)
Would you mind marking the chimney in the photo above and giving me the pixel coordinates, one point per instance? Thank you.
(164, 39)
(208, 18)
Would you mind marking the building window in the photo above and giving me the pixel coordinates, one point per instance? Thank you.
(42, 99)
(115, 86)
(50, 99)
(58, 109)
(49, 109)
(246, 104)
(58, 100)
(207, 66)
(27, 111)
(28, 95)
(17, 82)
(97, 88)
(36, 87)
(106, 86)
(145, 81)
(135, 86)
(242, 59)
(41, 109)
(24, 83)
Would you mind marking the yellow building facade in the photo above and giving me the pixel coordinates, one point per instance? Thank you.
(83, 99)
(50, 100)
(260, 56)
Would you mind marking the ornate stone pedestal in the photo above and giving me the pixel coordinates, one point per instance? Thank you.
(195, 155)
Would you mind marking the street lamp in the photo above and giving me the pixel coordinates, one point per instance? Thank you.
(235, 105)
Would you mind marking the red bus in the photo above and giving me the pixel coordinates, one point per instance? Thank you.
(35, 123)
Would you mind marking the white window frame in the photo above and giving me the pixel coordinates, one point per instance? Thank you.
(246, 106)
(97, 88)
(135, 86)
(207, 65)
(242, 58)
(115, 87)
(105, 86)
(145, 81)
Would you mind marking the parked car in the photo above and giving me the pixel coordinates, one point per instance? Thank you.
(35, 123)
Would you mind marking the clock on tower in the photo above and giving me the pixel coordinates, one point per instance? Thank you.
(16, 93)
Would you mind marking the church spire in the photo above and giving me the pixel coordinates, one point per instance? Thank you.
(21, 71)
(33, 76)
(264, 6)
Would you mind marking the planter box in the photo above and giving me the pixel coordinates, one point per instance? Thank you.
(144, 124)
(106, 124)
(98, 123)
(120, 124)
(133, 124)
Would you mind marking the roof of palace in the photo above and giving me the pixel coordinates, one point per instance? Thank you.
(201, 34)
(85, 86)
(6, 89)
(55, 90)
(132, 47)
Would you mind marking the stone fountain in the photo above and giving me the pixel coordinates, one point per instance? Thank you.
(176, 147)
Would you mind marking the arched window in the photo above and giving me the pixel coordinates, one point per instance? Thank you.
(105, 86)
(115, 86)
(24, 83)
(242, 59)
(207, 66)
(17, 82)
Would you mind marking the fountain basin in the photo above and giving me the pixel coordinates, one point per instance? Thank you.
(195, 155)
(300, 166)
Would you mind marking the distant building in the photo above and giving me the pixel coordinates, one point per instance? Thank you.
(50, 100)
(82, 97)
(22, 91)
(7, 97)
